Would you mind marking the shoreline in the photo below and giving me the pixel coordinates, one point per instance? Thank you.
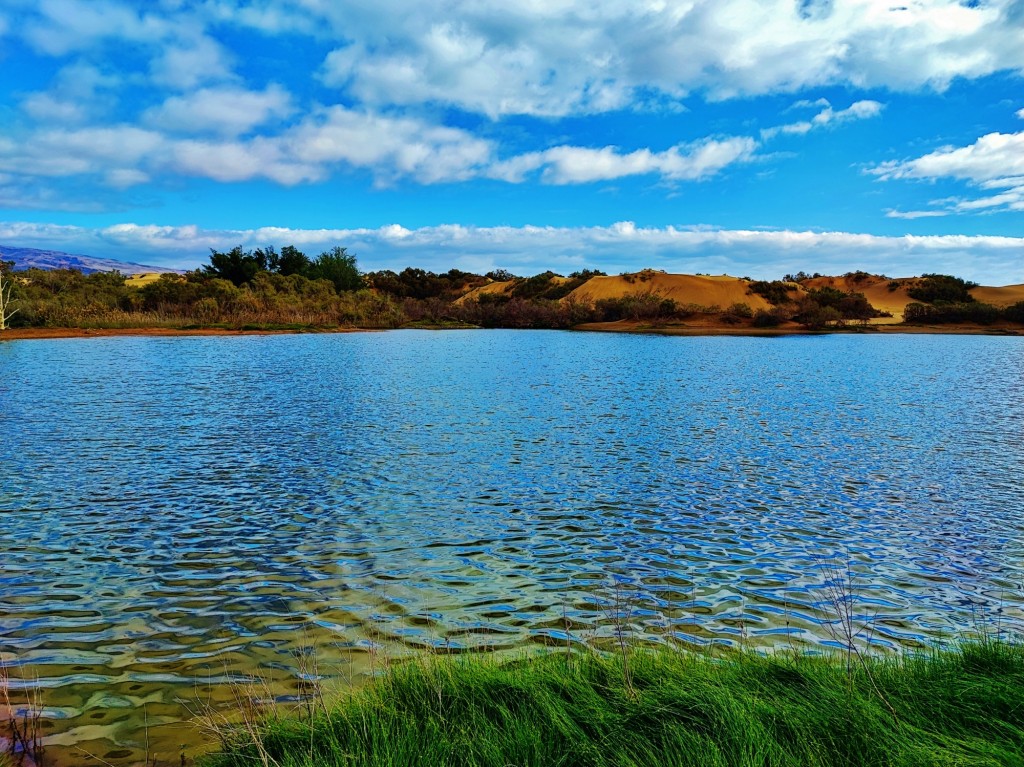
(37, 333)
(658, 707)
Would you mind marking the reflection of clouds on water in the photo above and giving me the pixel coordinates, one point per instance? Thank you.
(183, 509)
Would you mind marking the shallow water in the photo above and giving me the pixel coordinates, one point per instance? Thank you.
(179, 512)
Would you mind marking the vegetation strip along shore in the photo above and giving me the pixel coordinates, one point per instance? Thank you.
(267, 291)
(662, 707)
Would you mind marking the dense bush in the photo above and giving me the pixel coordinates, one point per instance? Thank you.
(774, 292)
(422, 284)
(941, 287)
(972, 311)
(646, 306)
(770, 318)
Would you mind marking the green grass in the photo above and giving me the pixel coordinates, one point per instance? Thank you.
(955, 708)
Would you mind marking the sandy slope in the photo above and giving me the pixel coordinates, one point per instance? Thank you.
(489, 288)
(138, 280)
(1004, 296)
(884, 293)
(683, 288)
(875, 289)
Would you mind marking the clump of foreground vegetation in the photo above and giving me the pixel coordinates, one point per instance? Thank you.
(964, 707)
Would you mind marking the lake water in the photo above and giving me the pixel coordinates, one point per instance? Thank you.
(179, 512)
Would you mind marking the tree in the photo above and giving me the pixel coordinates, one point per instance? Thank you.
(6, 312)
(236, 265)
(292, 261)
(338, 267)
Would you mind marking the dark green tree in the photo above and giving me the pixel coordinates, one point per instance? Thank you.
(236, 266)
(337, 267)
(292, 261)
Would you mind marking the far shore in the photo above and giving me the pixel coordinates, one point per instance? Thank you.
(671, 329)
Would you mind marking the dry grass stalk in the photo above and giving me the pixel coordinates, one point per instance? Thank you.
(23, 725)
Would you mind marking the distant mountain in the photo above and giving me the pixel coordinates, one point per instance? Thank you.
(31, 258)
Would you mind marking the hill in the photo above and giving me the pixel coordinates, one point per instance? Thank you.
(31, 258)
(685, 289)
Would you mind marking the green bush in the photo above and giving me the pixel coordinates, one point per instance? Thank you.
(931, 288)
(775, 292)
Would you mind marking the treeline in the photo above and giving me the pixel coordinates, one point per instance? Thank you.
(943, 299)
(266, 288)
(815, 309)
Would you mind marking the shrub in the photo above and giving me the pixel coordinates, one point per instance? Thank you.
(769, 318)
(941, 287)
(775, 292)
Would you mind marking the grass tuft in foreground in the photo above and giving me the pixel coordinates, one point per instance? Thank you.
(953, 708)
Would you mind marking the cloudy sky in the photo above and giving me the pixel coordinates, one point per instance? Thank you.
(752, 137)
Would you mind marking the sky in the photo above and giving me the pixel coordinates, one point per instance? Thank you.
(748, 137)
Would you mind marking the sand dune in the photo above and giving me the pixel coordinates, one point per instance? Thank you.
(683, 288)
(491, 288)
(884, 293)
(1008, 295)
(143, 278)
(879, 292)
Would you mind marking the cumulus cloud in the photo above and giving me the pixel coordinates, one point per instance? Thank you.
(530, 249)
(226, 110)
(560, 58)
(389, 147)
(186, 65)
(58, 27)
(79, 91)
(46, 107)
(858, 110)
(576, 165)
(994, 161)
(568, 57)
(993, 156)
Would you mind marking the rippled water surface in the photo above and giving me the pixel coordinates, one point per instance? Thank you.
(178, 512)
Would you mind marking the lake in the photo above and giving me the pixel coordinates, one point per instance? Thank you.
(182, 512)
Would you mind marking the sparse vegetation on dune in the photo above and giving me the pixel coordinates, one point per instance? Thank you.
(267, 290)
(668, 708)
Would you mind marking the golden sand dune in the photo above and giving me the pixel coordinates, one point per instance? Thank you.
(491, 288)
(1008, 295)
(890, 295)
(682, 288)
(144, 278)
(883, 293)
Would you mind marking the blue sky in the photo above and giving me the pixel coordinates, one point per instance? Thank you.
(752, 138)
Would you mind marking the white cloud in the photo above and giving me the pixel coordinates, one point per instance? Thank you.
(59, 27)
(808, 104)
(569, 57)
(389, 147)
(579, 165)
(994, 161)
(48, 108)
(914, 214)
(559, 58)
(184, 66)
(858, 110)
(1020, 113)
(79, 91)
(532, 249)
(229, 111)
(996, 155)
